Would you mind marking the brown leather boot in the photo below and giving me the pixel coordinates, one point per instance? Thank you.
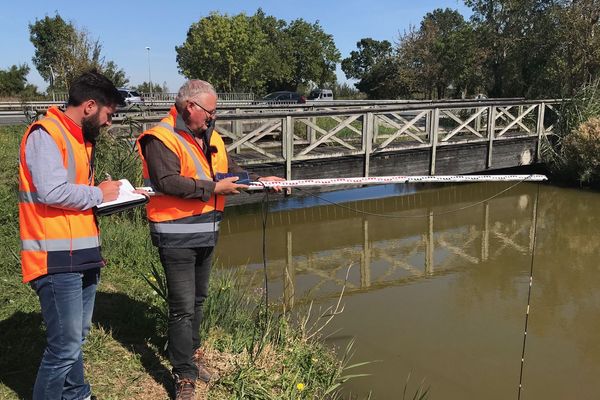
(185, 388)
(203, 373)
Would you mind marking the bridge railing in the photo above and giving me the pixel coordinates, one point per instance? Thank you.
(267, 133)
(311, 133)
(263, 134)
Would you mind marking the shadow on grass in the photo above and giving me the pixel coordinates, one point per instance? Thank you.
(134, 324)
(131, 322)
(22, 341)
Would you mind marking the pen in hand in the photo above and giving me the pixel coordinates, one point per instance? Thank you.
(109, 188)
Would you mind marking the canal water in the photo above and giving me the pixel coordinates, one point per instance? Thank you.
(436, 283)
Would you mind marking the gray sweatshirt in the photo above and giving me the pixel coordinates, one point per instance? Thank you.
(50, 176)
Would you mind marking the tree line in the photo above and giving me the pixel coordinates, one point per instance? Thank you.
(508, 48)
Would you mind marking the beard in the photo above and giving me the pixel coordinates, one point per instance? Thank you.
(91, 127)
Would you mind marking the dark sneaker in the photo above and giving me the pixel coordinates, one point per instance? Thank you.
(203, 373)
(185, 388)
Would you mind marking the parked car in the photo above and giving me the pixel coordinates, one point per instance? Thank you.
(321, 94)
(130, 96)
(284, 97)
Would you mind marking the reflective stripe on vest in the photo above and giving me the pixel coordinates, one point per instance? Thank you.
(70, 153)
(194, 231)
(199, 170)
(60, 244)
(164, 227)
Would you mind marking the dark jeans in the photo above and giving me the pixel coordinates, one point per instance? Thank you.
(67, 302)
(187, 271)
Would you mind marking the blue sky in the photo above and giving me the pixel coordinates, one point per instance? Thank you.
(125, 28)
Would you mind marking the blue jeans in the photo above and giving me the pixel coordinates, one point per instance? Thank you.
(67, 301)
(187, 271)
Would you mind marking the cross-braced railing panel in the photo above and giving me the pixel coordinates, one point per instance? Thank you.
(466, 125)
(515, 120)
(403, 129)
(249, 140)
(324, 137)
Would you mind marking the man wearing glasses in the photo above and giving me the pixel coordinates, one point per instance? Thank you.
(181, 156)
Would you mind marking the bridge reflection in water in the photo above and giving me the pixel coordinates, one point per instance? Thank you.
(415, 236)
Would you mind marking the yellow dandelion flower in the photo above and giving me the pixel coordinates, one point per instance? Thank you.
(300, 386)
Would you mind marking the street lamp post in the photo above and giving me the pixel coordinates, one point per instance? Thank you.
(149, 75)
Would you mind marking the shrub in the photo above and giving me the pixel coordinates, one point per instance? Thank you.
(582, 149)
(573, 154)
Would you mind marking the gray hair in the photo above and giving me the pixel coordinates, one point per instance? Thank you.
(192, 89)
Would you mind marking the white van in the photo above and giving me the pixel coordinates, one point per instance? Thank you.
(321, 95)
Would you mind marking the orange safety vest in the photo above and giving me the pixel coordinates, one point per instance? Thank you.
(55, 239)
(174, 221)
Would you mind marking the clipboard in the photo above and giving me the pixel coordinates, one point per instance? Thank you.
(126, 200)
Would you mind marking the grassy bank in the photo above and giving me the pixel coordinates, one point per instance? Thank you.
(256, 353)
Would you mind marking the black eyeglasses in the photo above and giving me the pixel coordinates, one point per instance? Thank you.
(211, 113)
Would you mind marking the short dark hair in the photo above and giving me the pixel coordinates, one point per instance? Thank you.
(93, 85)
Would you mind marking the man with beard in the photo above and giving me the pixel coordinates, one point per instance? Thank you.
(60, 254)
(181, 156)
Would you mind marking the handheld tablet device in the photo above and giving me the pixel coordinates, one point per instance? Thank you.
(244, 179)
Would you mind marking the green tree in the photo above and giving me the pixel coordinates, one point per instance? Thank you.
(63, 52)
(257, 53)
(144, 87)
(51, 37)
(115, 74)
(369, 53)
(442, 54)
(224, 51)
(538, 48)
(384, 81)
(314, 54)
(578, 46)
(13, 81)
(374, 64)
(275, 54)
